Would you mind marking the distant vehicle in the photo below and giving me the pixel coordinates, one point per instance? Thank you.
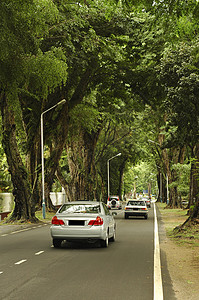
(83, 221)
(136, 208)
(114, 202)
(147, 200)
(184, 202)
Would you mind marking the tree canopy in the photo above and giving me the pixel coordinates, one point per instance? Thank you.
(128, 71)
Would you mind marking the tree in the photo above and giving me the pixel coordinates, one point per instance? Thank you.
(22, 22)
(179, 73)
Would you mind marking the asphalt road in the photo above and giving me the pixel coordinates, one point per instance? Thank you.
(30, 268)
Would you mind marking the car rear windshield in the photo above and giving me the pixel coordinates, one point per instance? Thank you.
(80, 208)
(138, 203)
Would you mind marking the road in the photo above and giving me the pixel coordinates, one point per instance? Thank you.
(30, 268)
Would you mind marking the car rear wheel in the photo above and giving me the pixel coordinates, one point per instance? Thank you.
(104, 243)
(126, 216)
(57, 243)
(112, 239)
(146, 216)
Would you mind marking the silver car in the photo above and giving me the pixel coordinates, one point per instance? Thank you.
(83, 220)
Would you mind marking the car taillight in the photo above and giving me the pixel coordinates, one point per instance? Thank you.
(56, 221)
(127, 208)
(144, 208)
(98, 221)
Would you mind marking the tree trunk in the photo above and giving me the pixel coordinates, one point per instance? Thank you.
(121, 178)
(62, 180)
(82, 166)
(24, 209)
(173, 155)
(195, 212)
(57, 146)
(193, 190)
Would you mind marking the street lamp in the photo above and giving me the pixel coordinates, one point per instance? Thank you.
(42, 155)
(108, 170)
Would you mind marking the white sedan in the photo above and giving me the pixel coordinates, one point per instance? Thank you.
(83, 220)
(136, 208)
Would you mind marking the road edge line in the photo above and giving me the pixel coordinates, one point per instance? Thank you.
(158, 288)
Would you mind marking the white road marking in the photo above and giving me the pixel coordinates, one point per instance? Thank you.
(22, 230)
(40, 252)
(21, 262)
(158, 289)
(1, 272)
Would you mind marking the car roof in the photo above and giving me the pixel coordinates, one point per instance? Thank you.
(135, 199)
(83, 202)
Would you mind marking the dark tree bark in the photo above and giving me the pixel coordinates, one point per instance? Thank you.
(193, 187)
(57, 147)
(195, 194)
(174, 155)
(24, 200)
(194, 213)
(121, 170)
(60, 140)
(81, 160)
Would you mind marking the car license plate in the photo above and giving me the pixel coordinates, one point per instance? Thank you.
(76, 223)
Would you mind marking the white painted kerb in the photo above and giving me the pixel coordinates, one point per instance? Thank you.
(158, 289)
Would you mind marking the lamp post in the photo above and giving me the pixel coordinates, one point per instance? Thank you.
(108, 169)
(42, 155)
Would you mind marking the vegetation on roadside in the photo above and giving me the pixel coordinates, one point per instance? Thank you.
(173, 220)
(48, 216)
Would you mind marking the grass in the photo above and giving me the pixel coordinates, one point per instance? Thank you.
(172, 218)
(48, 216)
(39, 216)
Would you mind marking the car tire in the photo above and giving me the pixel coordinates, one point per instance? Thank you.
(126, 216)
(104, 243)
(112, 239)
(146, 217)
(57, 243)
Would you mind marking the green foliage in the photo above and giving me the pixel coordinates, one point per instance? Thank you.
(87, 117)
(47, 71)
(141, 174)
(121, 65)
(22, 22)
(180, 76)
